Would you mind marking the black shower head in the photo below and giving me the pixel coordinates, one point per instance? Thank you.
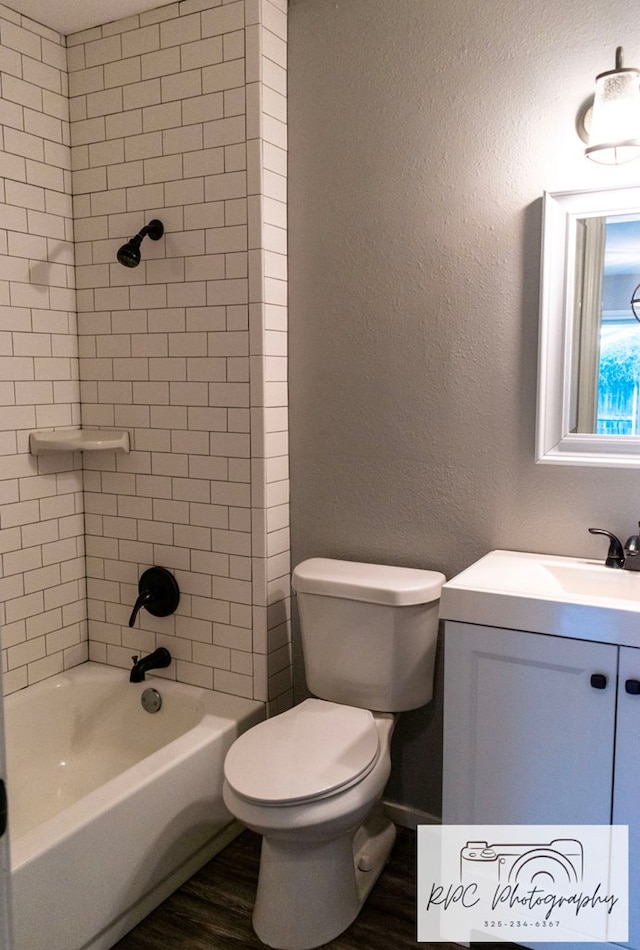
(129, 253)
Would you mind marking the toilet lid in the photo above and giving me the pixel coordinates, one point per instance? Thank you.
(308, 752)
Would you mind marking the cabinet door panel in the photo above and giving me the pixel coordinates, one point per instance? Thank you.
(626, 794)
(527, 738)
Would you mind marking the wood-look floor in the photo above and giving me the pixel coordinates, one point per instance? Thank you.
(212, 911)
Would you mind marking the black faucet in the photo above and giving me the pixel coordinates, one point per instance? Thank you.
(157, 660)
(615, 554)
(627, 557)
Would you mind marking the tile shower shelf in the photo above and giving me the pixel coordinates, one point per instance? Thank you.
(78, 440)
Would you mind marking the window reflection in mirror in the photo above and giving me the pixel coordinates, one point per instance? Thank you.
(605, 384)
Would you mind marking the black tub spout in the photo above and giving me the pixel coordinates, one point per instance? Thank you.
(157, 660)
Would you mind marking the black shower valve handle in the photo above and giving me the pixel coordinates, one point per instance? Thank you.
(158, 593)
(145, 598)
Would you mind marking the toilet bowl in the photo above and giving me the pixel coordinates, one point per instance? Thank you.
(311, 779)
(325, 838)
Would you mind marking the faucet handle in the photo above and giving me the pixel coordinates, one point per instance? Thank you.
(615, 554)
(158, 592)
(134, 659)
(632, 544)
(632, 552)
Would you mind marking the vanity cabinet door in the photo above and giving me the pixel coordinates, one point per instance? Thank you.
(528, 727)
(626, 790)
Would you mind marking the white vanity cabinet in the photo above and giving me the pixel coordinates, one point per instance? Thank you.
(528, 739)
(542, 729)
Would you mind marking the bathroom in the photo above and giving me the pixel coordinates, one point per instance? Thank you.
(413, 289)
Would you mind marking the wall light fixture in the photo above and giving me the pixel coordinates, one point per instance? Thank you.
(614, 133)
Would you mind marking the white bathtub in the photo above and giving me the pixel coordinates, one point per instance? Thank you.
(110, 807)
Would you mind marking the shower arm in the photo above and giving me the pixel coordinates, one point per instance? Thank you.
(154, 229)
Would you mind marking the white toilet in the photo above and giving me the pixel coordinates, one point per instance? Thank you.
(310, 780)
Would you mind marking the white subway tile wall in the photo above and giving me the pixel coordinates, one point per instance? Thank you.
(179, 114)
(43, 606)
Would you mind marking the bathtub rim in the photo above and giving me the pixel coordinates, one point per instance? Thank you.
(139, 818)
(223, 709)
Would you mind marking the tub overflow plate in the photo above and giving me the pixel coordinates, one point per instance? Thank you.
(151, 700)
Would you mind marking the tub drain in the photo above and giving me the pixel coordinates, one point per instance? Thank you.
(151, 700)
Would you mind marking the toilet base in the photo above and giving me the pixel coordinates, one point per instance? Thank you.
(310, 892)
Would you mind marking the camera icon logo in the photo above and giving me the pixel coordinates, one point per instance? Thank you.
(559, 862)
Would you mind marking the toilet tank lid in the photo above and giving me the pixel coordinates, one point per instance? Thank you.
(370, 583)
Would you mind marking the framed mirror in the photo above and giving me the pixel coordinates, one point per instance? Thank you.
(589, 351)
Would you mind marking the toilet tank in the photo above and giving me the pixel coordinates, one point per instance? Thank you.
(368, 632)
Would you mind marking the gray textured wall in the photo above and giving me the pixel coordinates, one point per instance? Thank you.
(422, 135)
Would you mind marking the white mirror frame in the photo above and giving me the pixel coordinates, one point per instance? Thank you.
(555, 443)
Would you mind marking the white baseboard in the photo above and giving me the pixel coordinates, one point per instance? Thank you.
(408, 817)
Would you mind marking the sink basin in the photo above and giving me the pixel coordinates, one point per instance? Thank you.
(550, 576)
(546, 593)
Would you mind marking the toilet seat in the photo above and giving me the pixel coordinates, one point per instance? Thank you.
(307, 753)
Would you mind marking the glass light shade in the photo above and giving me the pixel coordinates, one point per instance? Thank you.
(614, 136)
